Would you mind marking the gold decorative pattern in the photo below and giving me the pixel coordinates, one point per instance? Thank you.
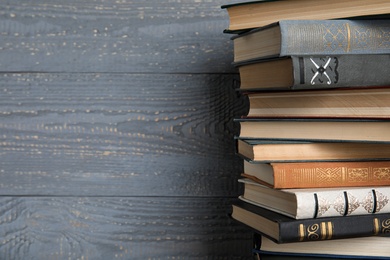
(321, 231)
(312, 232)
(336, 37)
(381, 173)
(386, 226)
(329, 175)
(358, 174)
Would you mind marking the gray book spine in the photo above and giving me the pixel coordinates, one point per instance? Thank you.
(334, 37)
(312, 72)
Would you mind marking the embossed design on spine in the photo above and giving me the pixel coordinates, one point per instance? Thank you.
(381, 173)
(324, 73)
(386, 226)
(358, 174)
(347, 37)
(369, 202)
(322, 70)
(329, 175)
(321, 231)
(322, 207)
(381, 201)
(345, 203)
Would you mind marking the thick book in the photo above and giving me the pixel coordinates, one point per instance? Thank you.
(368, 248)
(315, 129)
(319, 174)
(282, 229)
(353, 103)
(313, 37)
(318, 202)
(315, 72)
(263, 151)
(252, 14)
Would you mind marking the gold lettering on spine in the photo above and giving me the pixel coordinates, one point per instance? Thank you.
(348, 37)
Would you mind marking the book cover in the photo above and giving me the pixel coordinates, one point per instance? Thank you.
(374, 247)
(253, 14)
(319, 174)
(314, 37)
(319, 202)
(314, 72)
(282, 229)
(334, 37)
(352, 103)
(258, 150)
(315, 129)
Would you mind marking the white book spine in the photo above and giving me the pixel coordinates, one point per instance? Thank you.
(348, 202)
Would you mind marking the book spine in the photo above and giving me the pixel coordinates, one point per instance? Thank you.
(334, 228)
(326, 175)
(348, 202)
(311, 72)
(335, 37)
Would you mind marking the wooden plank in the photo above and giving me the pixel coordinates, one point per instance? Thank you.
(120, 228)
(115, 36)
(105, 134)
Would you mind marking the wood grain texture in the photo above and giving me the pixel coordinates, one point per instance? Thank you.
(120, 228)
(115, 36)
(116, 131)
(78, 134)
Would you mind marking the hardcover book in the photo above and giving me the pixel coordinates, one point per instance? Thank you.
(315, 72)
(306, 129)
(353, 103)
(319, 174)
(282, 229)
(368, 248)
(289, 151)
(319, 202)
(314, 37)
(252, 14)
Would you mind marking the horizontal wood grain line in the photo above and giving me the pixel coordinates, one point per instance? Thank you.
(112, 36)
(124, 228)
(93, 134)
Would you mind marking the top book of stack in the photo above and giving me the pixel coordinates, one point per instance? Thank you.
(253, 14)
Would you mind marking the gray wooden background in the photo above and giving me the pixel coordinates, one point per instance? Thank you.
(116, 131)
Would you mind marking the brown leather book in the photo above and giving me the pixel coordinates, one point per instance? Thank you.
(319, 174)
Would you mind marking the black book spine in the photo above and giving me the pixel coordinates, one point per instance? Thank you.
(334, 228)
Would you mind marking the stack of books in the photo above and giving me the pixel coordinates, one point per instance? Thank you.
(316, 139)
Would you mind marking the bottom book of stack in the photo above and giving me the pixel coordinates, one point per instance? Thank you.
(376, 247)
